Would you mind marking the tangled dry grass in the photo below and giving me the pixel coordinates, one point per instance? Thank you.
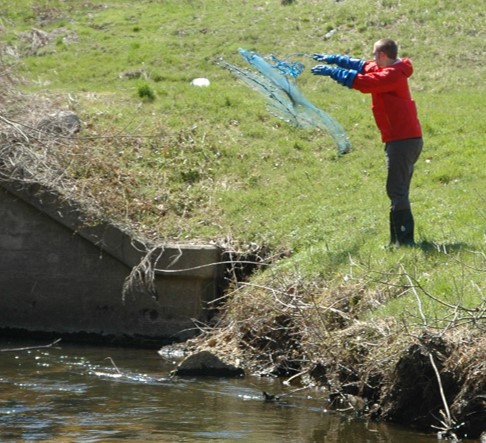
(43, 141)
(37, 145)
(314, 336)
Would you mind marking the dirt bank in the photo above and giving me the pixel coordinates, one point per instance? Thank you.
(429, 379)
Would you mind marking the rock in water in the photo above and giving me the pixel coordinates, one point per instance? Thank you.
(205, 363)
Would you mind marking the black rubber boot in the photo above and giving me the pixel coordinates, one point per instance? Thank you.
(402, 228)
(393, 231)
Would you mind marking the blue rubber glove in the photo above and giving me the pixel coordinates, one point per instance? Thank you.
(322, 70)
(343, 61)
(343, 76)
(328, 58)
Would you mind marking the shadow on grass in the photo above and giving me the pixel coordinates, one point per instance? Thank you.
(431, 247)
(337, 259)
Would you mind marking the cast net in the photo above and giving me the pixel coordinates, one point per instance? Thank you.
(275, 80)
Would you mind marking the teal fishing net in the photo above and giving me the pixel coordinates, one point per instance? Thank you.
(275, 80)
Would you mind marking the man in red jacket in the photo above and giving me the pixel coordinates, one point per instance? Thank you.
(386, 79)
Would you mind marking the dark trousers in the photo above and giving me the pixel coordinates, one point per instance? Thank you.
(401, 156)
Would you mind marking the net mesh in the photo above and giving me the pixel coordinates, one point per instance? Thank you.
(275, 79)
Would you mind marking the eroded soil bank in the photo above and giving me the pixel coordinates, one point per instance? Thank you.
(434, 381)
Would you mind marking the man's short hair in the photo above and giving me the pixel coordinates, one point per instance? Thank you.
(388, 46)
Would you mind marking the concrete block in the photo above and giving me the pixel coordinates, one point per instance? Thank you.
(59, 276)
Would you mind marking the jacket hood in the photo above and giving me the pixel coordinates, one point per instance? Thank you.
(405, 66)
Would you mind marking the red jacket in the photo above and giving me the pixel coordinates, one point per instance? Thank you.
(392, 105)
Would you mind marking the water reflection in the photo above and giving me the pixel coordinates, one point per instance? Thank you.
(92, 394)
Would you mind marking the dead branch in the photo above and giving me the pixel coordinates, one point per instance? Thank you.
(114, 365)
(142, 276)
(29, 348)
(448, 418)
(417, 298)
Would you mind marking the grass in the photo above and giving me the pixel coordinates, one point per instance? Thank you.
(211, 164)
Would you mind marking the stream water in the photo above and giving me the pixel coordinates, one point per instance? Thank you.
(74, 393)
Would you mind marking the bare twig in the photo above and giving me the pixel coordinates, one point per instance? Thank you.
(29, 348)
(419, 302)
(142, 276)
(15, 125)
(448, 421)
(114, 365)
(299, 374)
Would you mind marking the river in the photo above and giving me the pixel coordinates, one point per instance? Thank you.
(77, 393)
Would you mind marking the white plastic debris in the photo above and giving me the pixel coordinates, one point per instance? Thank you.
(200, 82)
(330, 33)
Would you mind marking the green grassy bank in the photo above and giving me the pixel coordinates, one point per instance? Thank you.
(212, 163)
(177, 162)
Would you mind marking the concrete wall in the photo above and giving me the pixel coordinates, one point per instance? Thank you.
(59, 276)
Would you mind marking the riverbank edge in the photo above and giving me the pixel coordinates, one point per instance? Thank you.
(434, 382)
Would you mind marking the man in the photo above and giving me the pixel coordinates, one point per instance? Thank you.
(386, 79)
